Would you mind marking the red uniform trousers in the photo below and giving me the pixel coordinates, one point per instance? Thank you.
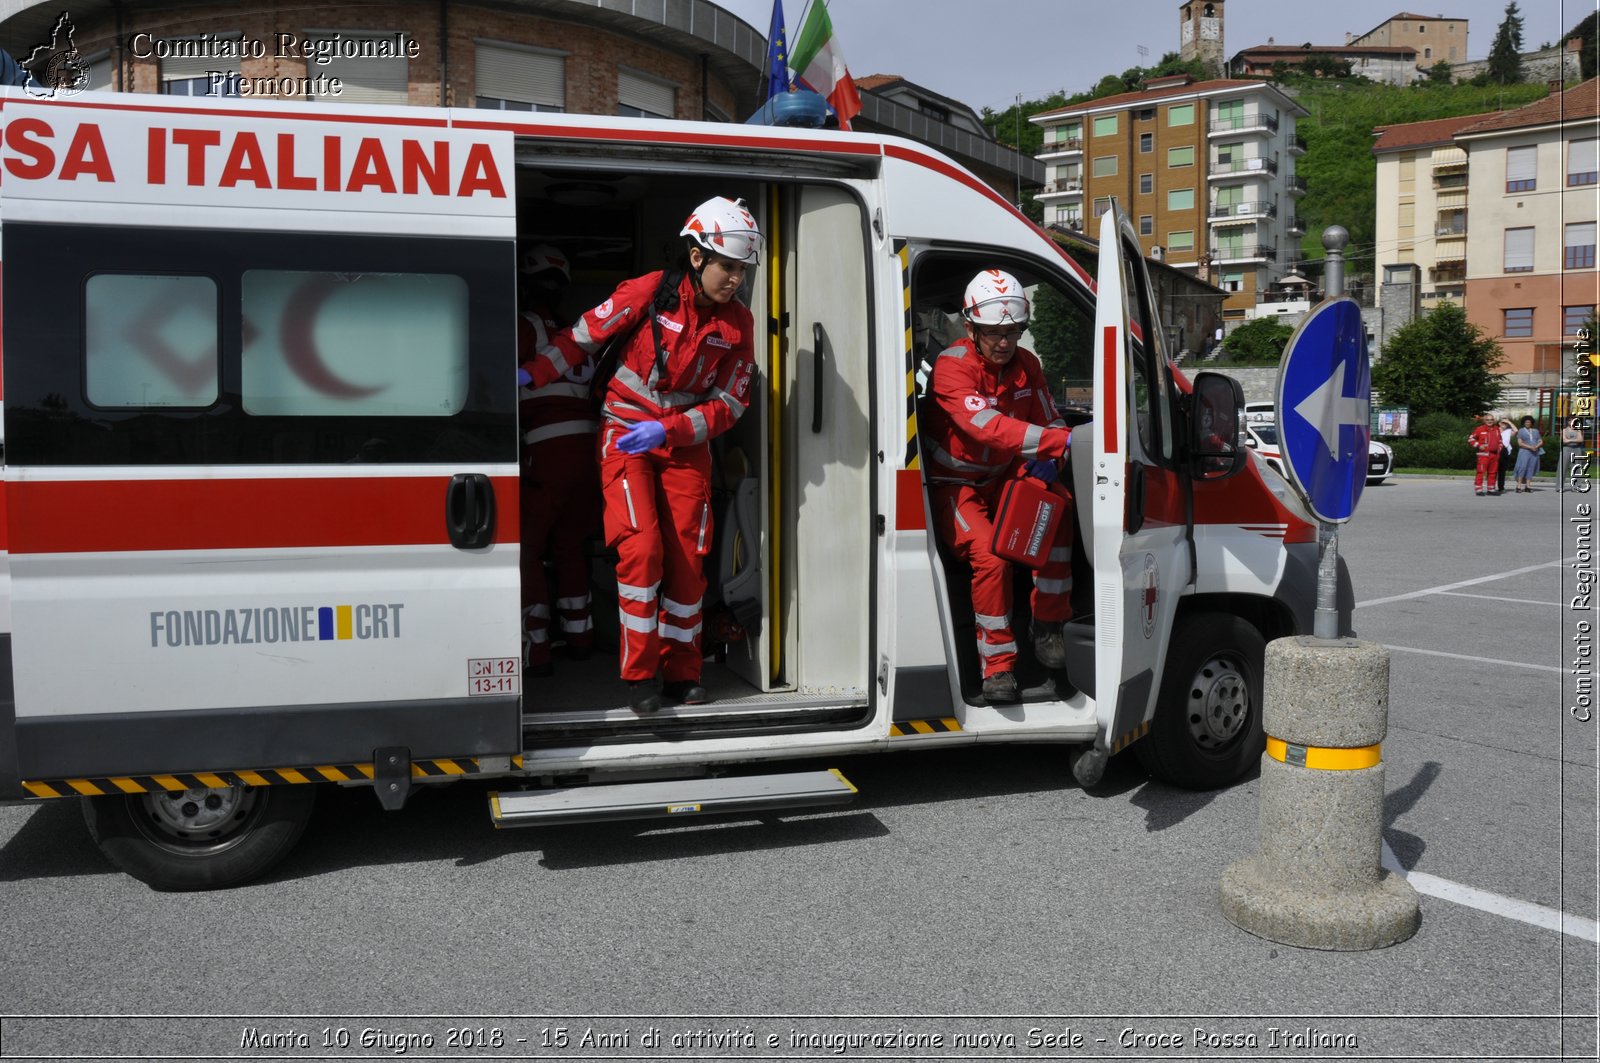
(560, 509)
(658, 518)
(962, 514)
(1488, 472)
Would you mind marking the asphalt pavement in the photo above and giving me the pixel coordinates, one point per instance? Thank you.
(973, 904)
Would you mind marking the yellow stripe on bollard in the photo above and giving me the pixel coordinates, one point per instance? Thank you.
(1324, 758)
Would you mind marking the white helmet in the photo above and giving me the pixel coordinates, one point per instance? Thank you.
(541, 257)
(724, 227)
(994, 297)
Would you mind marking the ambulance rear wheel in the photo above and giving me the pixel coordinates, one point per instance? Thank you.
(1207, 727)
(199, 839)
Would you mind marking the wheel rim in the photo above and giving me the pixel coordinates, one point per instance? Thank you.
(1219, 703)
(200, 820)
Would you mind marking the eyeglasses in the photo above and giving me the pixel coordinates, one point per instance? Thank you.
(996, 335)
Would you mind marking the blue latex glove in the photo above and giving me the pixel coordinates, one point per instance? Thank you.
(1043, 469)
(647, 435)
(524, 378)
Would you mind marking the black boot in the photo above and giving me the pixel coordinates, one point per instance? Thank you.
(686, 692)
(642, 697)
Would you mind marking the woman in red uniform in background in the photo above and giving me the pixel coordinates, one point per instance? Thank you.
(683, 378)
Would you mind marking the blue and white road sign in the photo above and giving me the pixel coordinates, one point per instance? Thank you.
(1324, 408)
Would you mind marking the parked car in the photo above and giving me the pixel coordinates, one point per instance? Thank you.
(1263, 439)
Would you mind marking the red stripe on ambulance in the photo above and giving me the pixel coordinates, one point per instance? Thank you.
(69, 516)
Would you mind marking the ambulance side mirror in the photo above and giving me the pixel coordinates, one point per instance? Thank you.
(1217, 443)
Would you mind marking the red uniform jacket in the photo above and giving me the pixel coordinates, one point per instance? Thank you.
(561, 407)
(984, 417)
(1485, 439)
(706, 384)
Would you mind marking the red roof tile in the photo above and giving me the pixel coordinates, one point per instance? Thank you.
(1574, 105)
(876, 81)
(1422, 134)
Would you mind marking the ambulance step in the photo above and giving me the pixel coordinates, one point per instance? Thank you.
(681, 797)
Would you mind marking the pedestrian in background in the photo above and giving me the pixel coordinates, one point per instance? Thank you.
(1485, 442)
(1530, 448)
(1571, 447)
(1508, 454)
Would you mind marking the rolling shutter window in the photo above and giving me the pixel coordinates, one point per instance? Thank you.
(525, 75)
(183, 67)
(645, 95)
(1583, 159)
(1521, 166)
(368, 78)
(1519, 250)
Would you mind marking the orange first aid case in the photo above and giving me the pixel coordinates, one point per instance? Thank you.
(1026, 520)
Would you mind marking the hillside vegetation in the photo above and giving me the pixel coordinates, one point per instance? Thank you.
(1339, 167)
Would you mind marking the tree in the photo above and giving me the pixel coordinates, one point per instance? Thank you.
(1440, 73)
(1588, 34)
(1441, 363)
(1063, 338)
(1261, 340)
(1505, 54)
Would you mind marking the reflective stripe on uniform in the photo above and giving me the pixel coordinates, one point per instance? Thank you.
(986, 649)
(642, 624)
(701, 429)
(576, 627)
(638, 594)
(680, 634)
(1031, 440)
(564, 428)
(992, 623)
(734, 405)
(573, 604)
(1053, 586)
(984, 416)
(1061, 553)
(564, 389)
(943, 457)
(679, 608)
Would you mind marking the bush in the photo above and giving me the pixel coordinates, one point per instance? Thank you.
(1444, 453)
(1443, 426)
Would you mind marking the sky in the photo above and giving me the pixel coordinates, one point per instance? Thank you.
(984, 53)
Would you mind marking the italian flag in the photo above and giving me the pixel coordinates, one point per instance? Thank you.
(819, 63)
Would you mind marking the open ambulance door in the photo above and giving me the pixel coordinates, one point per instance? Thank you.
(1140, 551)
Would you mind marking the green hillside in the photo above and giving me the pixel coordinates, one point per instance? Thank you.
(1339, 167)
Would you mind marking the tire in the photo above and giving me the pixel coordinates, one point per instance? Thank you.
(1207, 727)
(199, 839)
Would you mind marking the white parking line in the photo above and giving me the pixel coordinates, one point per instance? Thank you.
(1471, 657)
(1497, 598)
(1464, 583)
(1484, 901)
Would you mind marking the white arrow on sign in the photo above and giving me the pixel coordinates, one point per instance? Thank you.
(1328, 409)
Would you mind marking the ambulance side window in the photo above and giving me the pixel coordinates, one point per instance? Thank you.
(354, 344)
(150, 340)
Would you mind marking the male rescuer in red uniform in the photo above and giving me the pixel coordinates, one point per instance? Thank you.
(683, 377)
(993, 417)
(1485, 439)
(560, 485)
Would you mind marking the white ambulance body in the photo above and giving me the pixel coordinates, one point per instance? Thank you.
(262, 466)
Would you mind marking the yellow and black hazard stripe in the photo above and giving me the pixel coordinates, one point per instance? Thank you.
(1129, 739)
(903, 252)
(435, 768)
(905, 728)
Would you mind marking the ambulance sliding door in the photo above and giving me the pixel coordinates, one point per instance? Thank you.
(829, 489)
(262, 481)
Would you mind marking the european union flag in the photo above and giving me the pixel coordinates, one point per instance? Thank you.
(777, 53)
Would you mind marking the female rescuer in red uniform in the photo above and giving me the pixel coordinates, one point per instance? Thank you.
(560, 485)
(992, 418)
(683, 377)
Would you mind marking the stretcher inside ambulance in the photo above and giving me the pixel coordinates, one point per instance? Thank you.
(263, 466)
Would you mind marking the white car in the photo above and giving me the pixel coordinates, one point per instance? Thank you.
(1263, 439)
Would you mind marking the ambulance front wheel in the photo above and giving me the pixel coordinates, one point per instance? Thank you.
(1207, 727)
(199, 839)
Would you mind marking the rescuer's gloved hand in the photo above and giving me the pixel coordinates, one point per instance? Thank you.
(524, 378)
(1043, 469)
(645, 436)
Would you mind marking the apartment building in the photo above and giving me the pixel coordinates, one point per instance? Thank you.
(1534, 187)
(1422, 204)
(1436, 38)
(1206, 170)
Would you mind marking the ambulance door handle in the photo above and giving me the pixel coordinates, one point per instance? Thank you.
(818, 338)
(469, 511)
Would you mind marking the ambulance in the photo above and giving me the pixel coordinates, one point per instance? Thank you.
(261, 476)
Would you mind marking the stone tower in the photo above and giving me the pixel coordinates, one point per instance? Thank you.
(1200, 34)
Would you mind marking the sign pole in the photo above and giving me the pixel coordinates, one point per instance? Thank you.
(1325, 622)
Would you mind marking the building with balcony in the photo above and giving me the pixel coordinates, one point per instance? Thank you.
(1422, 205)
(1533, 181)
(1205, 169)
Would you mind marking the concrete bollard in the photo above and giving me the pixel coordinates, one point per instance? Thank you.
(1317, 881)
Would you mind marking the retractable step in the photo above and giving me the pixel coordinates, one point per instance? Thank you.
(682, 797)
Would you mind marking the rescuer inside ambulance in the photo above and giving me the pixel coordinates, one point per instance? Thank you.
(683, 377)
(992, 419)
(560, 484)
